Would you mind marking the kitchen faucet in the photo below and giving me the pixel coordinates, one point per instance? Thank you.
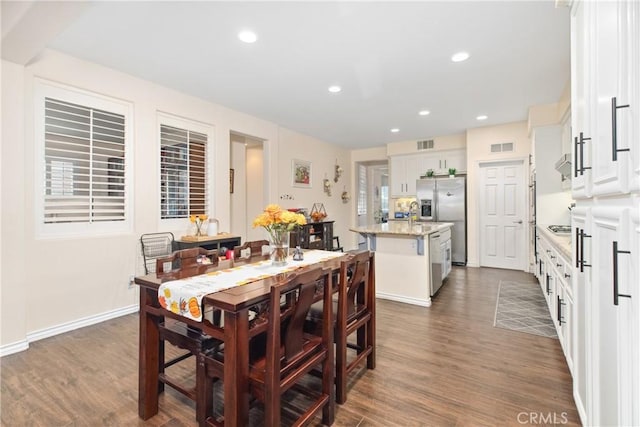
(413, 208)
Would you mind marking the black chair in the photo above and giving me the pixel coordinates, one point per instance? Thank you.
(154, 246)
(337, 246)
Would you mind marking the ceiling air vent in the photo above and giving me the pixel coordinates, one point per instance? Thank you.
(499, 148)
(426, 144)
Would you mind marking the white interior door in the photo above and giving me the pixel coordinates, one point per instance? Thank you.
(502, 215)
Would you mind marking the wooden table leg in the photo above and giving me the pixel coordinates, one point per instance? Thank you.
(148, 357)
(236, 368)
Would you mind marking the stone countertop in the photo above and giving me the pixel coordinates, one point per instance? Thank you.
(561, 241)
(401, 228)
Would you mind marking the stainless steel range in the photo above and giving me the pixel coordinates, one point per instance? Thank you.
(560, 229)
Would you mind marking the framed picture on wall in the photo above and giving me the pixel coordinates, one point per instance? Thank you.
(301, 173)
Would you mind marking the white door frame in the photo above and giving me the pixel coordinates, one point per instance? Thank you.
(525, 207)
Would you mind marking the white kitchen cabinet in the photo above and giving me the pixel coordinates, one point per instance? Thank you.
(404, 174)
(554, 271)
(606, 148)
(606, 128)
(441, 161)
(581, 289)
(581, 102)
(614, 319)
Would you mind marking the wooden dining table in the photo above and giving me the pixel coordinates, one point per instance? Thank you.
(235, 303)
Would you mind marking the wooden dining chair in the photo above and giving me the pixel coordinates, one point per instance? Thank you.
(286, 355)
(185, 263)
(354, 312)
(255, 248)
(292, 353)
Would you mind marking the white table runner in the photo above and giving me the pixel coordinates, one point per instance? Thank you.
(184, 296)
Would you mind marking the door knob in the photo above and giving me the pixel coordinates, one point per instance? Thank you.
(517, 222)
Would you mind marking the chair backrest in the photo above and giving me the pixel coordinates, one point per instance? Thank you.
(355, 271)
(154, 246)
(255, 248)
(286, 322)
(190, 261)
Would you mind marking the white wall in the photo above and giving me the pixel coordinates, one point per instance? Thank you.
(49, 286)
(479, 142)
(323, 159)
(13, 321)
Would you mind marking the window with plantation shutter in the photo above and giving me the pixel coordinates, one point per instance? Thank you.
(183, 170)
(83, 152)
(362, 190)
(84, 156)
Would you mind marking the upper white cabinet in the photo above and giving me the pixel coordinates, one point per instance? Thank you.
(441, 161)
(407, 169)
(606, 97)
(404, 173)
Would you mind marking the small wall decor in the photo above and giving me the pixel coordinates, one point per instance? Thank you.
(338, 172)
(300, 173)
(345, 196)
(326, 186)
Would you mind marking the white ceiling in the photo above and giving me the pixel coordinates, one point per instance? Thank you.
(392, 59)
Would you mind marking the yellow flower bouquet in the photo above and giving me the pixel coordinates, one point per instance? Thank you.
(198, 220)
(278, 223)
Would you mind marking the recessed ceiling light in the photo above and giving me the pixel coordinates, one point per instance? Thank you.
(395, 130)
(460, 56)
(334, 89)
(482, 117)
(424, 112)
(247, 36)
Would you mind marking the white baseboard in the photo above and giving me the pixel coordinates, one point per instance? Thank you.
(580, 407)
(14, 347)
(65, 327)
(406, 300)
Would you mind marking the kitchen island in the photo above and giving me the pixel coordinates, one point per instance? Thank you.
(404, 260)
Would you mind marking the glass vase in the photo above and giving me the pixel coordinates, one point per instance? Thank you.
(279, 247)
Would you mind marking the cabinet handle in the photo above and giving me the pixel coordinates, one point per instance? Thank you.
(548, 290)
(558, 265)
(583, 263)
(559, 312)
(616, 251)
(445, 163)
(567, 276)
(577, 247)
(614, 129)
(576, 166)
(552, 257)
(540, 262)
(583, 140)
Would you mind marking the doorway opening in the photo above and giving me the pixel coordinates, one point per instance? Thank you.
(373, 195)
(248, 184)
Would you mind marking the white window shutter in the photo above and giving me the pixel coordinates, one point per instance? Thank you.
(84, 150)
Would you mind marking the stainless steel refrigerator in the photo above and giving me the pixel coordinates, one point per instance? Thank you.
(443, 199)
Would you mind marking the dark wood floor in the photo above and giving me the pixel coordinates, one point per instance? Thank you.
(440, 366)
